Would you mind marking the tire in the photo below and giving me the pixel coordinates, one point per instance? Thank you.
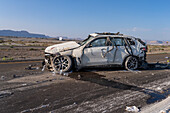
(131, 63)
(63, 63)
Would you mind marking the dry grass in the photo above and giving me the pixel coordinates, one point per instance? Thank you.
(158, 48)
(8, 41)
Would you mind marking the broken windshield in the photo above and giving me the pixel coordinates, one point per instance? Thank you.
(85, 41)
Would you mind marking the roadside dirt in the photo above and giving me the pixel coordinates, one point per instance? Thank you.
(21, 53)
(37, 52)
(90, 90)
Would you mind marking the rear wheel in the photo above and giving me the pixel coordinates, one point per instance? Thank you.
(131, 63)
(62, 63)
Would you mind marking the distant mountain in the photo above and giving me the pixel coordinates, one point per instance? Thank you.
(21, 34)
(157, 42)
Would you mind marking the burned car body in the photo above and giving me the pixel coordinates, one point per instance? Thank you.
(98, 49)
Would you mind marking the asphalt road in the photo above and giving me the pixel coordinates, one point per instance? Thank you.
(90, 90)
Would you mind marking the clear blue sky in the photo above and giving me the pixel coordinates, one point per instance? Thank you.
(147, 19)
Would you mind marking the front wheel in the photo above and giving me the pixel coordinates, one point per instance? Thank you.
(131, 63)
(62, 63)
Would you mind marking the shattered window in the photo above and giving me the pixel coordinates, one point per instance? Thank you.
(99, 42)
(131, 42)
(117, 41)
(142, 42)
(85, 41)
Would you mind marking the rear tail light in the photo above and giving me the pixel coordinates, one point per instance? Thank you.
(144, 48)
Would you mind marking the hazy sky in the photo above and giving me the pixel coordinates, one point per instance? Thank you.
(147, 19)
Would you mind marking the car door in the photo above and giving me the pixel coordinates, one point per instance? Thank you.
(94, 52)
(119, 52)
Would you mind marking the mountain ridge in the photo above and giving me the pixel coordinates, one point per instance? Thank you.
(157, 42)
(27, 34)
(21, 33)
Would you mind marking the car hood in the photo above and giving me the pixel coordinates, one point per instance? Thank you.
(61, 47)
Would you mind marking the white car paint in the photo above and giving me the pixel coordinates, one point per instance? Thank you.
(61, 47)
(92, 56)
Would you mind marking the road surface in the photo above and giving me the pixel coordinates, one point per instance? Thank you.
(90, 90)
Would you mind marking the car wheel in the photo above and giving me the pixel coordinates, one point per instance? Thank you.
(62, 63)
(131, 63)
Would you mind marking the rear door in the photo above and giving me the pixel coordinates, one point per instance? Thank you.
(119, 52)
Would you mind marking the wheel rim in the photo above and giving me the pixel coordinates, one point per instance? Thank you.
(132, 63)
(61, 63)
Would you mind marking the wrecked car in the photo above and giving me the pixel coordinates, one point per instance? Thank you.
(98, 49)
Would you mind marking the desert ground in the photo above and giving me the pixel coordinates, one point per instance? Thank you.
(15, 48)
(27, 89)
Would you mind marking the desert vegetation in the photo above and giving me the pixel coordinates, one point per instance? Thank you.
(18, 48)
(15, 48)
(158, 49)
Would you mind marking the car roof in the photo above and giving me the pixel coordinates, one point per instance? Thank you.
(106, 34)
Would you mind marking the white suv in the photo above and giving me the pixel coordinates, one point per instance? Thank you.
(98, 49)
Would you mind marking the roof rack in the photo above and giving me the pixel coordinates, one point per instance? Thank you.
(108, 33)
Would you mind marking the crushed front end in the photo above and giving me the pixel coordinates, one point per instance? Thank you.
(47, 61)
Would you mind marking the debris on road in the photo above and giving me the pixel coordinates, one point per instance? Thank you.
(168, 60)
(158, 88)
(37, 68)
(5, 94)
(24, 84)
(17, 76)
(65, 74)
(79, 77)
(132, 109)
(30, 67)
(33, 109)
(159, 65)
(61, 78)
(2, 77)
(54, 74)
(165, 111)
(14, 76)
(61, 73)
(43, 68)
